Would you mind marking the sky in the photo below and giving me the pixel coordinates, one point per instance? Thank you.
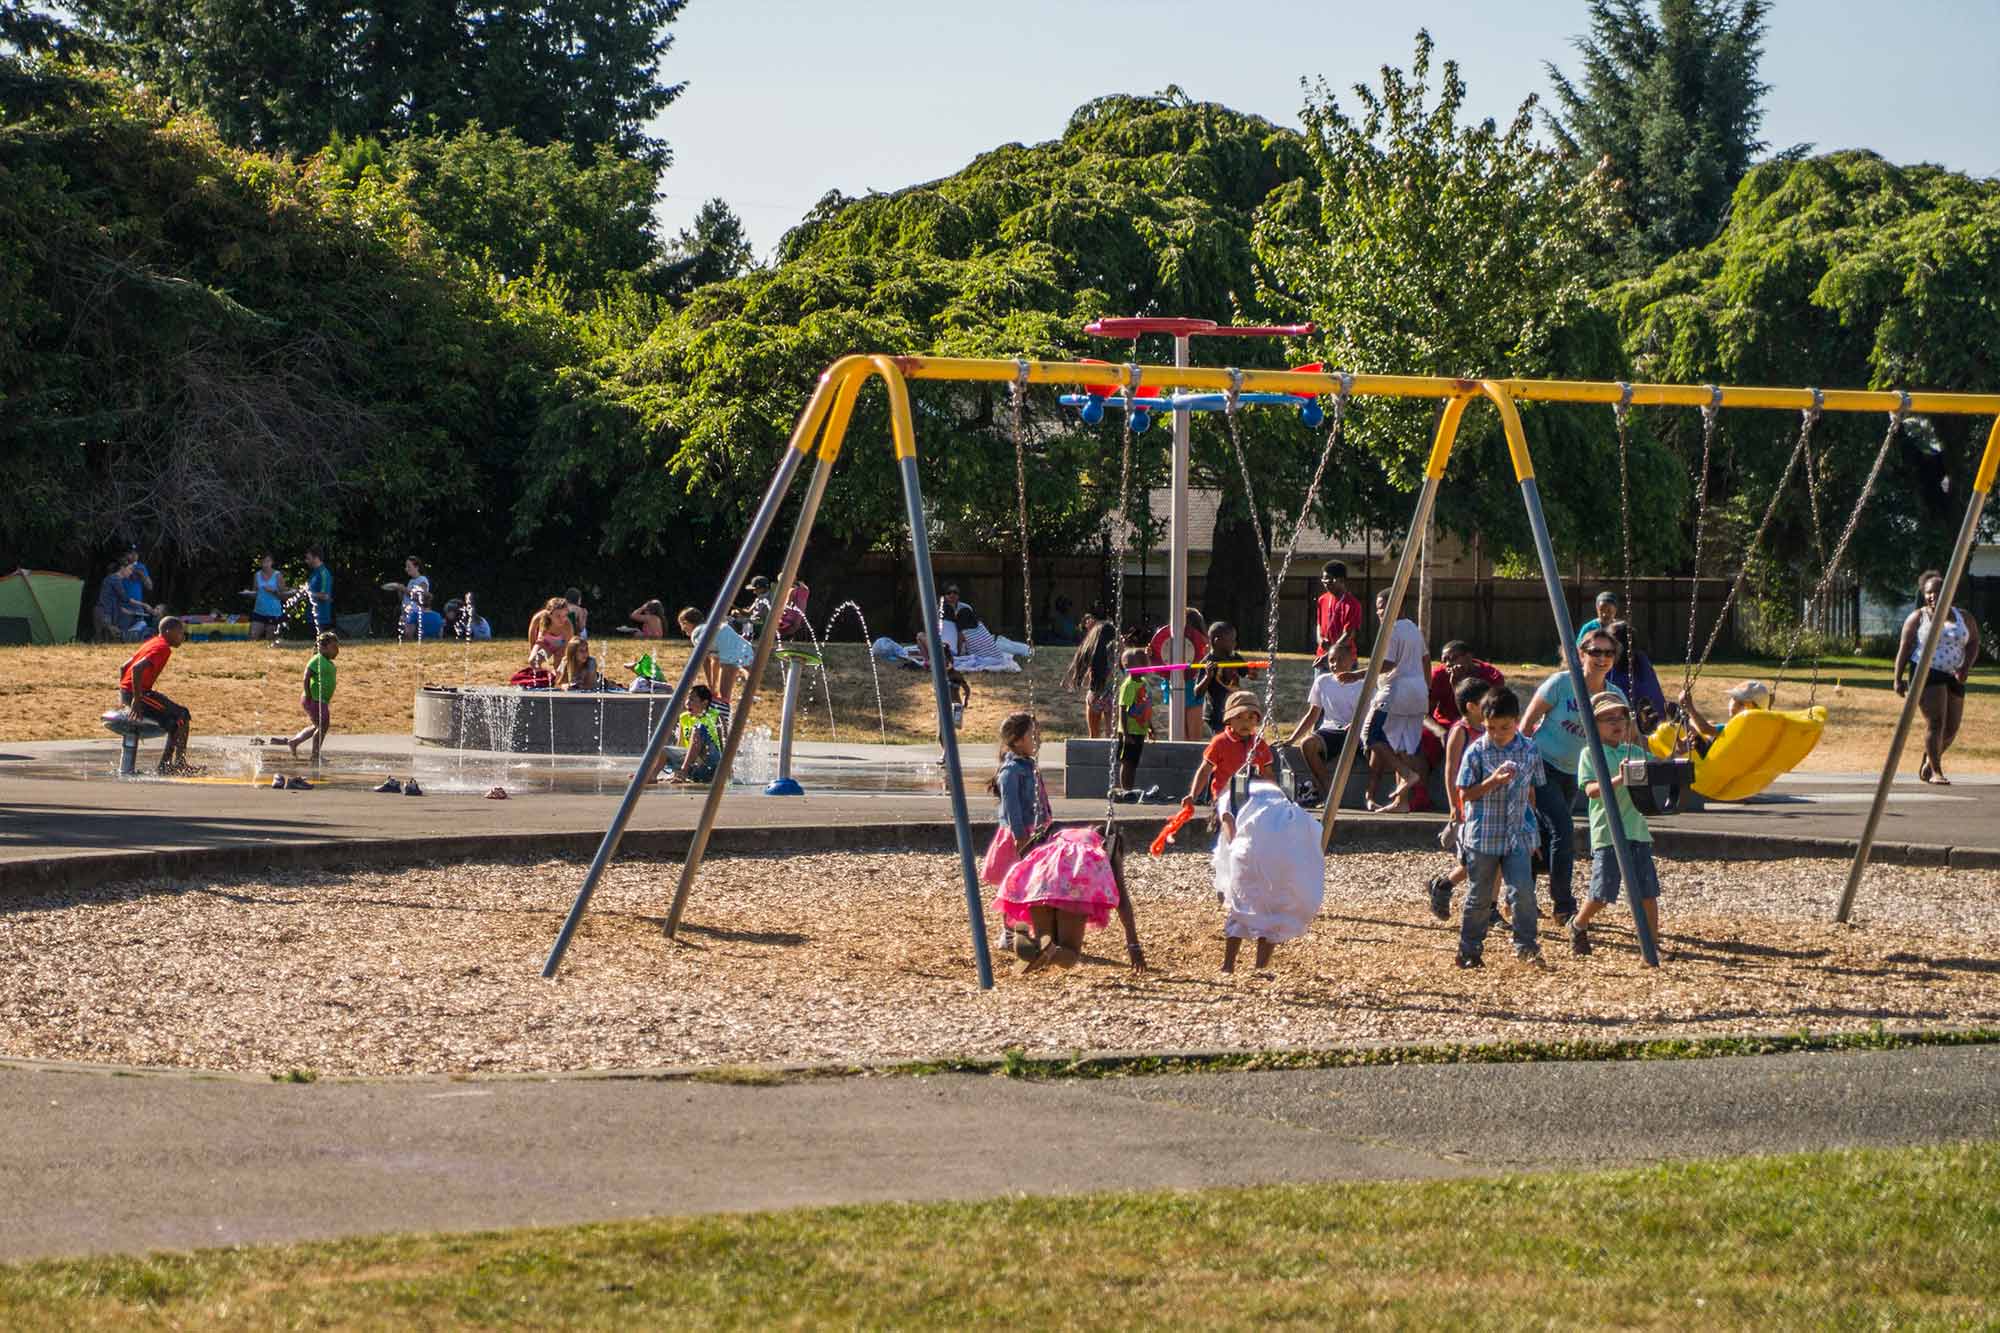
(788, 99)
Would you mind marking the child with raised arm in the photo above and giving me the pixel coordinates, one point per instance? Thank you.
(1054, 883)
(1499, 773)
(316, 695)
(1614, 729)
(1237, 745)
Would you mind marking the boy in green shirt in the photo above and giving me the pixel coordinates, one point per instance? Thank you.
(1614, 728)
(316, 697)
(1135, 719)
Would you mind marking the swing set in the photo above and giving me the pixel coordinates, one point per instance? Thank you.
(822, 429)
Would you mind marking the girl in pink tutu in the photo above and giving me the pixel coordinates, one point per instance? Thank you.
(1053, 882)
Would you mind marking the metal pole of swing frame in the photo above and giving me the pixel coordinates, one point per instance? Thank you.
(739, 572)
(1961, 554)
(1405, 563)
(920, 551)
(1177, 557)
(1649, 948)
(767, 642)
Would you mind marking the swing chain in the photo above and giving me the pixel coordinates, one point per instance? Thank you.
(1711, 412)
(1230, 408)
(1020, 396)
(1809, 418)
(1831, 566)
(1333, 436)
(1622, 411)
(1124, 530)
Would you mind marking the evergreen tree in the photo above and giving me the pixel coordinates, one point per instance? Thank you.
(714, 249)
(1671, 104)
(291, 74)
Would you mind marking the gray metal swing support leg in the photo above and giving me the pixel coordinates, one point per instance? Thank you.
(1961, 555)
(1649, 948)
(767, 643)
(920, 552)
(739, 573)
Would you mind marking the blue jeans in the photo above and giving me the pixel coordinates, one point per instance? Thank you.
(1604, 876)
(1483, 873)
(1555, 807)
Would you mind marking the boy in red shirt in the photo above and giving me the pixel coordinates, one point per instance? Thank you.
(143, 703)
(1338, 611)
(1234, 746)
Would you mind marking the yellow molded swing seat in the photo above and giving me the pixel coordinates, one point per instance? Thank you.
(1753, 749)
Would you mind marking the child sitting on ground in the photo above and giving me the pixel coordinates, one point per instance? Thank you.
(728, 657)
(1237, 745)
(1054, 883)
(1614, 729)
(1269, 870)
(579, 669)
(316, 696)
(1498, 774)
(652, 620)
(700, 736)
(1135, 719)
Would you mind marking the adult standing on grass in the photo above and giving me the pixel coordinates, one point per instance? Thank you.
(1941, 694)
(1555, 719)
(267, 590)
(143, 703)
(413, 570)
(319, 590)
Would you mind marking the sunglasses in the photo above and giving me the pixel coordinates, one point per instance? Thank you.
(1600, 652)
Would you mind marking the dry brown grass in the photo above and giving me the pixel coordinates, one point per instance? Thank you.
(56, 693)
(865, 956)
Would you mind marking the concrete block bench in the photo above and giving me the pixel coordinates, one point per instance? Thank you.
(119, 723)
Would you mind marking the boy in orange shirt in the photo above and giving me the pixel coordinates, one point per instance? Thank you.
(143, 703)
(1234, 746)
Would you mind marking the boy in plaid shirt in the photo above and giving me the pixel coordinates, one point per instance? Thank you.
(1497, 777)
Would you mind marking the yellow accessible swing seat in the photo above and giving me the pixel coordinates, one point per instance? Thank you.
(1754, 748)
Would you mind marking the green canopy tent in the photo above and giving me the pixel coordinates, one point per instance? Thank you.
(46, 600)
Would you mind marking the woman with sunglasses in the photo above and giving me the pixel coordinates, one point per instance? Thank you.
(1556, 720)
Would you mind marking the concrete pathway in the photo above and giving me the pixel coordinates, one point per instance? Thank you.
(99, 1163)
(44, 817)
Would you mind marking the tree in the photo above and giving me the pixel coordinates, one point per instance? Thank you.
(1842, 271)
(211, 351)
(1433, 247)
(292, 74)
(1144, 205)
(1671, 107)
(714, 249)
(518, 210)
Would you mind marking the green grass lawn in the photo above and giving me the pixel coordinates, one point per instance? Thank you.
(1833, 1240)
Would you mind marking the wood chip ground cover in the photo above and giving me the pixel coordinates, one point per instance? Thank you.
(865, 956)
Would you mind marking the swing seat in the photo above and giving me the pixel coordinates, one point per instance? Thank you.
(1750, 753)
